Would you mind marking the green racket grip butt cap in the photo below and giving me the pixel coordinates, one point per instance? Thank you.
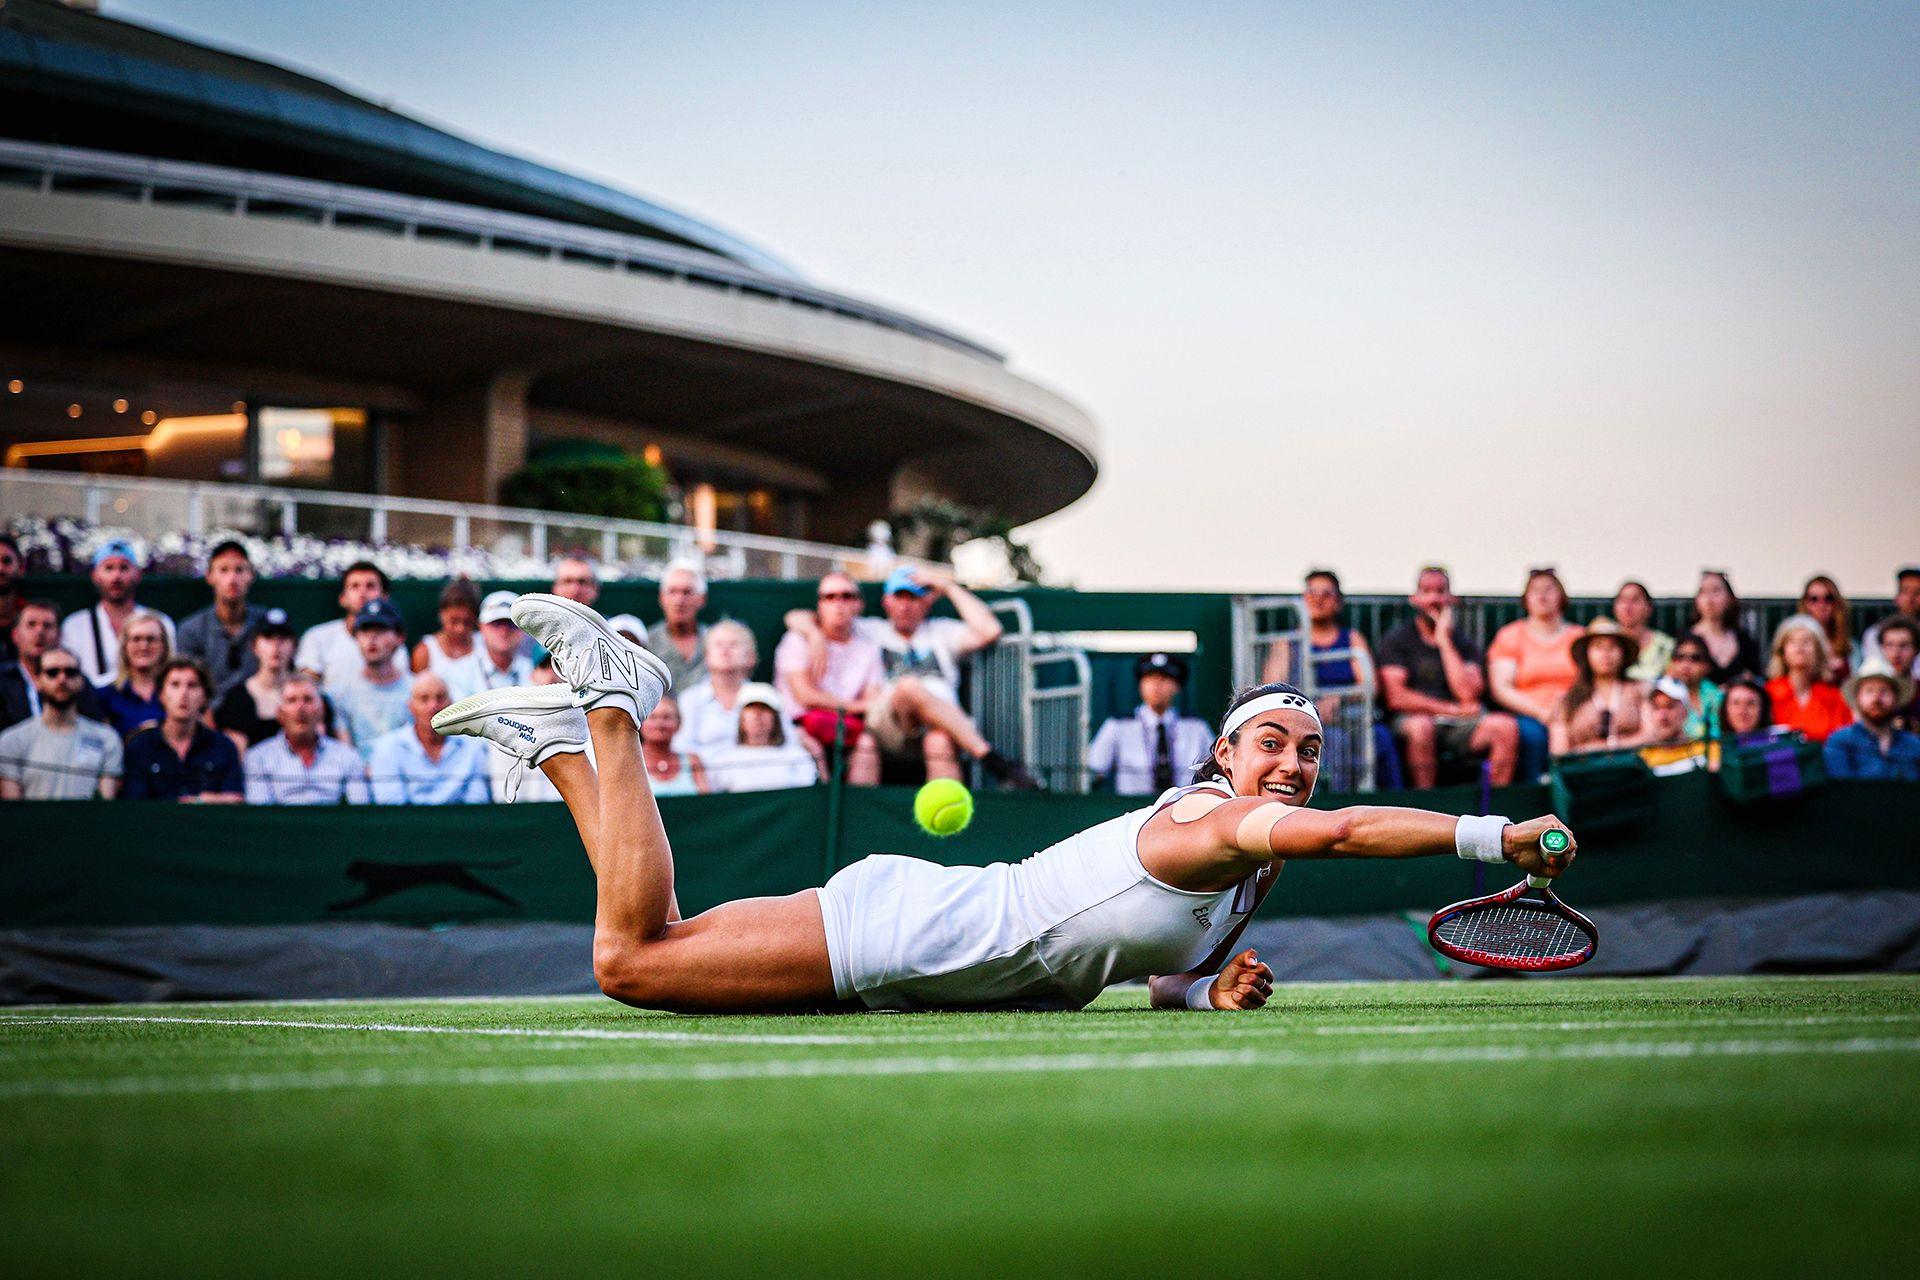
(1555, 841)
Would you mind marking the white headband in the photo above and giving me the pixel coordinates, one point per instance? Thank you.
(1270, 702)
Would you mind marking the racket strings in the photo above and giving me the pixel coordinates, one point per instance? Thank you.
(1519, 932)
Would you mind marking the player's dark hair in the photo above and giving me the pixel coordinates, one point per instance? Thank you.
(1206, 767)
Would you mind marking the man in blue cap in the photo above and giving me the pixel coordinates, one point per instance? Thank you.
(1156, 747)
(373, 701)
(94, 633)
(917, 711)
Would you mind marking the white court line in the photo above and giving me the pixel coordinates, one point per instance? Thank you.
(843, 1068)
(1265, 1025)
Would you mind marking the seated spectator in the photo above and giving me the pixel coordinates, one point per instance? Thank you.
(13, 595)
(372, 701)
(917, 712)
(669, 772)
(1156, 747)
(415, 765)
(180, 758)
(249, 714)
(1340, 659)
(710, 710)
(1431, 683)
(1689, 665)
(1633, 614)
(502, 659)
(1803, 699)
(1530, 665)
(58, 754)
(1821, 600)
(1906, 604)
(1872, 747)
(678, 639)
(221, 635)
(1670, 747)
(1746, 718)
(1716, 620)
(1602, 710)
(301, 765)
(36, 633)
(328, 651)
(761, 758)
(449, 652)
(94, 633)
(132, 701)
(1899, 642)
(831, 676)
(574, 578)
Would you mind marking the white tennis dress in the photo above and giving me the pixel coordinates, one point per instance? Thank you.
(1051, 932)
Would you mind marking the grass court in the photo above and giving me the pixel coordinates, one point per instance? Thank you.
(1757, 1126)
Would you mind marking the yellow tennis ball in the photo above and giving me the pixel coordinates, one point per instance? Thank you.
(943, 807)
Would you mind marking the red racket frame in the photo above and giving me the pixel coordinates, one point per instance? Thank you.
(1486, 960)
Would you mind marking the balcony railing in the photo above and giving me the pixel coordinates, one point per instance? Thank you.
(161, 511)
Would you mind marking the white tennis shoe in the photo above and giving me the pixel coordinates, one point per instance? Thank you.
(602, 667)
(529, 723)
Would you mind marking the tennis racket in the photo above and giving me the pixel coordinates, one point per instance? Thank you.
(1510, 930)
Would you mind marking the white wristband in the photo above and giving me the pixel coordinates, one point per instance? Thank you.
(1200, 994)
(1481, 839)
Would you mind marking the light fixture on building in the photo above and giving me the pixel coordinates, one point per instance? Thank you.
(15, 386)
(705, 509)
(149, 417)
(119, 406)
(73, 411)
(239, 406)
(652, 454)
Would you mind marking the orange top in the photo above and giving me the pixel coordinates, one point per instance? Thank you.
(1823, 711)
(1544, 668)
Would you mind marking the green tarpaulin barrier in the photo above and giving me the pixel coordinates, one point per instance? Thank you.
(125, 863)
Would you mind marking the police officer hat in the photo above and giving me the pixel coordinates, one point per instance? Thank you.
(1162, 664)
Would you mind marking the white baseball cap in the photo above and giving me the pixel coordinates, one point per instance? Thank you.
(497, 607)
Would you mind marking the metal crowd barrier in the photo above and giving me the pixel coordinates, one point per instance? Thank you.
(1032, 700)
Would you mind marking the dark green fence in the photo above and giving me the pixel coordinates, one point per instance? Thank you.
(122, 863)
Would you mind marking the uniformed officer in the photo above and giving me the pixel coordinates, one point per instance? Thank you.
(1156, 747)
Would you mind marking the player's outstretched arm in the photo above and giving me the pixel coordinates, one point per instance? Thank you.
(1240, 834)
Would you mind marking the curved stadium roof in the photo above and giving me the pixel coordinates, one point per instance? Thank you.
(76, 78)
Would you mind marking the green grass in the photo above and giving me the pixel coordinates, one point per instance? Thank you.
(1671, 1127)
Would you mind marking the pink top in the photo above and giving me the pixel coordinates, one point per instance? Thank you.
(1545, 667)
(853, 667)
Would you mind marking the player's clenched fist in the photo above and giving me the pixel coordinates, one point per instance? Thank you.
(1525, 847)
(1245, 983)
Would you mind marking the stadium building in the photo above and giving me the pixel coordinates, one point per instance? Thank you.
(222, 269)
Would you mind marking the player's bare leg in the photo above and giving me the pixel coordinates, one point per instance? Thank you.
(755, 954)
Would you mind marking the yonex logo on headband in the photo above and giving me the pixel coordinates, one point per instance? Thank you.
(1281, 701)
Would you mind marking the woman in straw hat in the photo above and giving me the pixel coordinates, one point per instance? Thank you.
(1602, 710)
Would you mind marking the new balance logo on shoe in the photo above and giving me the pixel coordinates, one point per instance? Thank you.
(612, 659)
(524, 730)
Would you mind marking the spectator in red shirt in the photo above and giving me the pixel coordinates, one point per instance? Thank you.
(1803, 700)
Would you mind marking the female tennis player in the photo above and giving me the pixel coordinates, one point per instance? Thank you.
(1160, 893)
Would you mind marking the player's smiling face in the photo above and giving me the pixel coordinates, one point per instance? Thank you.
(1275, 755)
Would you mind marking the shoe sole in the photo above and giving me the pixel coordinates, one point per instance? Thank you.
(519, 698)
(592, 618)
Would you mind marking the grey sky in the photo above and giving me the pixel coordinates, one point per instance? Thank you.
(1626, 289)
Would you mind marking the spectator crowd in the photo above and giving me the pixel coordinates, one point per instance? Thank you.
(230, 705)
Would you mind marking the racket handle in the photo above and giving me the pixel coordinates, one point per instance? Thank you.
(1539, 882)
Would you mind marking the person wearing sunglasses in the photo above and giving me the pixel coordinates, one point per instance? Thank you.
(832, 680)
(1821, 600)
(1689, 664)
(60, 754)
(35, 632)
